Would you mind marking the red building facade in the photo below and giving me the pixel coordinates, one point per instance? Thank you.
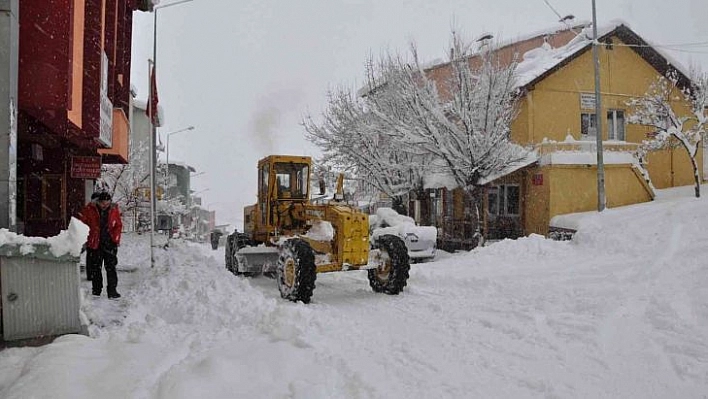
(73, 103)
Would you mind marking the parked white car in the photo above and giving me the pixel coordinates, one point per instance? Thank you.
(420, 240)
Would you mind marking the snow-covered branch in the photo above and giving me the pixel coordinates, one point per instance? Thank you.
(660, 108)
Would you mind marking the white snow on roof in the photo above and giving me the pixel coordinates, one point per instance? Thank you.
(499, 44)
(439, 179)
(437, 175)
(142, 104)
(537, 61)
(182, 165)
(530, 158)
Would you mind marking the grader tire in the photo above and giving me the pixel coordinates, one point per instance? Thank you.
(296, 272)
(234, 243)
(392, 276)
(228, 254)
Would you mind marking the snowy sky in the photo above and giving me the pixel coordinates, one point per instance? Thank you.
(245, 72)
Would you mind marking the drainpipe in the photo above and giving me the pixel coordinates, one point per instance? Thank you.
(9, 43)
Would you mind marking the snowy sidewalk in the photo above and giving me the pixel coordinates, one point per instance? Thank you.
(101, 311)
(133, 259)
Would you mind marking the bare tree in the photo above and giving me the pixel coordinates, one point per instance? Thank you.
(464, 120)
(355, 143)
(407, 121)
(127, 183)
(657, 108)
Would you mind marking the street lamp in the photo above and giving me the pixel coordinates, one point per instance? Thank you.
(167, 154)
(153, 135)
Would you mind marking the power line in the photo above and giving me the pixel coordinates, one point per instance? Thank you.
(553, 9)
(566, 18)
(562, 19)
(670, 47)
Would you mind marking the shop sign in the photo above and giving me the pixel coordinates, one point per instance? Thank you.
(85, 167)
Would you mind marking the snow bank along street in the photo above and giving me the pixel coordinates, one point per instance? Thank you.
(621, 311)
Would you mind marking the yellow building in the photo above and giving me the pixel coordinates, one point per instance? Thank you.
(556, 117)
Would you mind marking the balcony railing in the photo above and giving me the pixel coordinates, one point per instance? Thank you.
(585, 146)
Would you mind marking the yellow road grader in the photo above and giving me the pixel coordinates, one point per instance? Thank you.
(289, 236)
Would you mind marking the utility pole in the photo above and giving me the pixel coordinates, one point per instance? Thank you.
(601, 200)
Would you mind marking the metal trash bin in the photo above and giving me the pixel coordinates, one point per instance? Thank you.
(39, 291)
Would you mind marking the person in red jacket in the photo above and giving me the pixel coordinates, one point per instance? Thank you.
(105, 228)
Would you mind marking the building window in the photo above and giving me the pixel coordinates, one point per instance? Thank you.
(50, 204)
(449, 204)
(503, 200)
(511, 199)
(615, 124)
(587, 124)
(493, 200)
(436, 204)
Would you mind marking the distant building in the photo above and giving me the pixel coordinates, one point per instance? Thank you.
(556, 118)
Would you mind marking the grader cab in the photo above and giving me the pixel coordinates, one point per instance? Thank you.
(288, 236)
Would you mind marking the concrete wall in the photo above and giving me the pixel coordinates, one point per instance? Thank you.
(536, 205)
(573, 188)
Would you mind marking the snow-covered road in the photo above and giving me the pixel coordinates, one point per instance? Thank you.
(621, 311)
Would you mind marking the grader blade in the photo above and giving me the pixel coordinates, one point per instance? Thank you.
(256, 260)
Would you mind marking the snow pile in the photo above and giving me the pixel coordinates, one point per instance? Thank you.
(321, 230)
(620, 311)
(387, 217)
(68, 241)
(388, 221)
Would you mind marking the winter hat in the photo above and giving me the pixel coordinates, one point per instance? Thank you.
(104, 196)
(94, 196)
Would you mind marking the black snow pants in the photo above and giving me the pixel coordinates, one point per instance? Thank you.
(108, 256)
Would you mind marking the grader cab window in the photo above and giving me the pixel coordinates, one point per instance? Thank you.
(291, 180)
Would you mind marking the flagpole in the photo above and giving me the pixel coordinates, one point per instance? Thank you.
(151, 113)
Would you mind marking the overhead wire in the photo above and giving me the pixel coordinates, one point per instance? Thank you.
(694, 47)
(562, 19)
(670, 47)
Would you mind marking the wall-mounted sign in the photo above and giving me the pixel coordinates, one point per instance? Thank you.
(537, 179)
(587, 101)
(85, 167)
(106, 129)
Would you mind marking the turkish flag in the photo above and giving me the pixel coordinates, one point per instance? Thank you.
(153, 100)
